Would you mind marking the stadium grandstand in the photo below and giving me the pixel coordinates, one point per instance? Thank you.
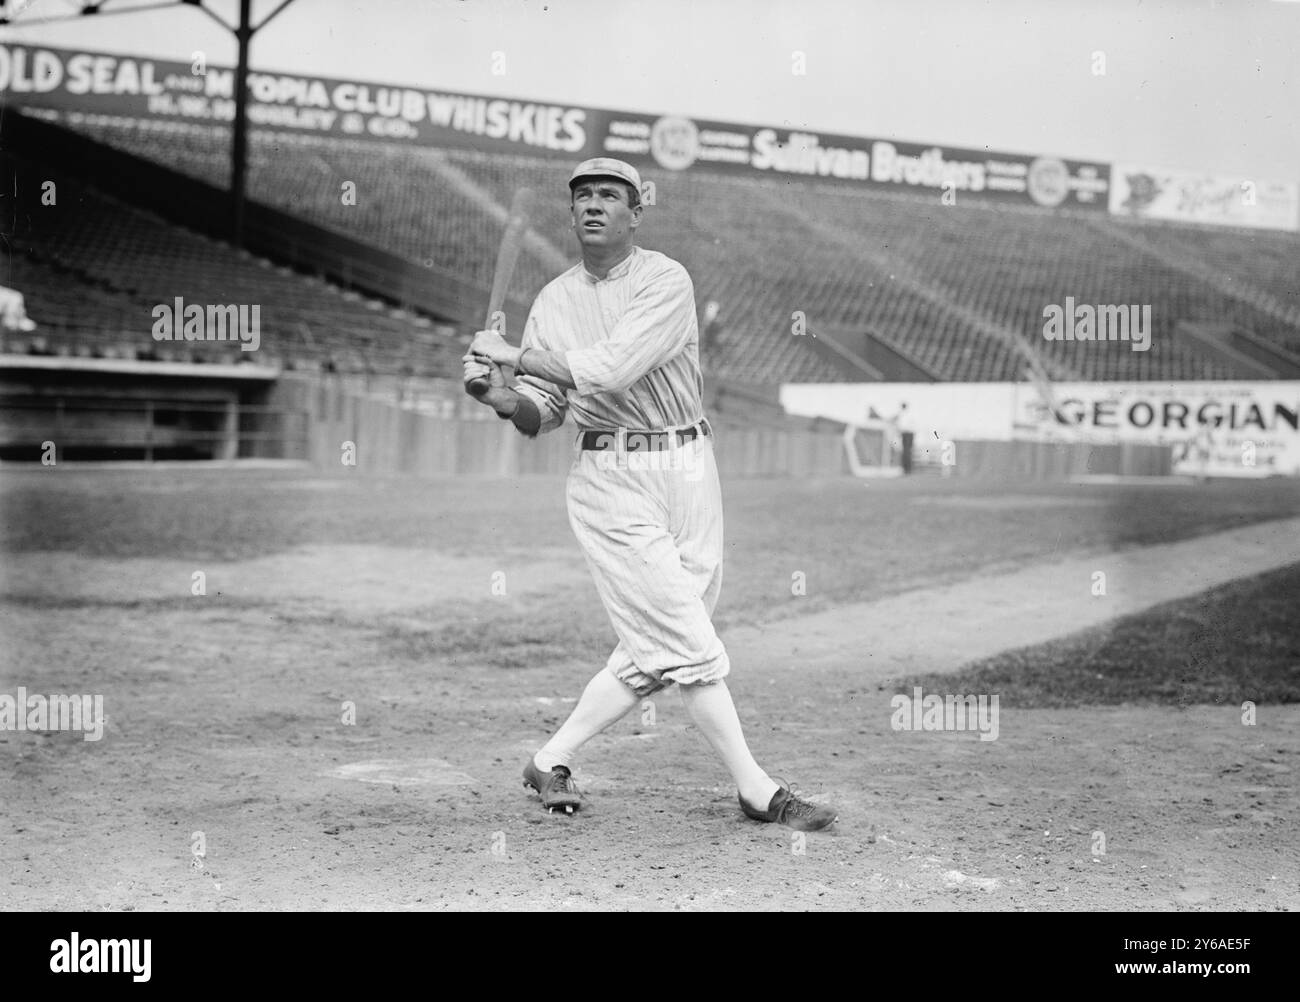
(951, 292)
(889, 286)
(92, 266)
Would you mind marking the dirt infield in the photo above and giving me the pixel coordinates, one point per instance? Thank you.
(227, 711)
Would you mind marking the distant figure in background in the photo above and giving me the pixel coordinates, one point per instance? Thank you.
(1202, 449)
(13, 313)
(709, 331)
(900, 427)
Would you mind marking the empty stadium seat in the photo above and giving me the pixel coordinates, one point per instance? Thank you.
(959, 288)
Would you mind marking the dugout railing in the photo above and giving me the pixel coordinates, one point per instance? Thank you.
(78, 428)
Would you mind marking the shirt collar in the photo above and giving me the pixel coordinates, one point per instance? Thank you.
(618, 271)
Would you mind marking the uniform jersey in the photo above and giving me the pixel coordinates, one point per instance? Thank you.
(631, 340)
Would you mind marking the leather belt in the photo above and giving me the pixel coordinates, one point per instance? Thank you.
(642, 441)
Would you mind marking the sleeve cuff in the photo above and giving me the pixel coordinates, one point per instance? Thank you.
(551, 416)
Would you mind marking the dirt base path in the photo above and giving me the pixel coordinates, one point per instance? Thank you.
(942, 628)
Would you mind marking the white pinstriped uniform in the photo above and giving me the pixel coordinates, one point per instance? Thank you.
(652, 536)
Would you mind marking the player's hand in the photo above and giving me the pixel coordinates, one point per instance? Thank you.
(491, 345)
(478, 368)
(497, 393)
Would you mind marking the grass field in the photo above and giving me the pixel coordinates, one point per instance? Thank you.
(225, 718)
(853, 540)
(1236, 642)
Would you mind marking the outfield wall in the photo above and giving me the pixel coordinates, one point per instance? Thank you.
(390, 439)
(1222, 429)
(1058, 461)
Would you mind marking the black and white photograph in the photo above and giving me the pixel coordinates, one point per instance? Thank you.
(562, 456)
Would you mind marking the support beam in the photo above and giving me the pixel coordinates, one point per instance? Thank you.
(239, 148)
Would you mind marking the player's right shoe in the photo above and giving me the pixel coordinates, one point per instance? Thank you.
(556, 788)
(788, 809)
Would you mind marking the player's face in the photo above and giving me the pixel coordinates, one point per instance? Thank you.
(602, 217)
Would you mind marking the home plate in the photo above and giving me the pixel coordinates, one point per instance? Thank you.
(955, 878)
(404, 772)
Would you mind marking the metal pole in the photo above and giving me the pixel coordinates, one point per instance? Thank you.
(239, 148)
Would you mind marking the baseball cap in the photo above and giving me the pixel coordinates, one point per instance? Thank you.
(606, 167)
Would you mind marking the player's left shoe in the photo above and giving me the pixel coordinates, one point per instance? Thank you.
(792, 811)
(556, 788)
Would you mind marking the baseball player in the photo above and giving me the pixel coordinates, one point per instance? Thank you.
(613, 342)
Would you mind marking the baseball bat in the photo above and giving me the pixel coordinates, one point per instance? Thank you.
(512, 241)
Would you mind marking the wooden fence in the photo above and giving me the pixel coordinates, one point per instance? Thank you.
(389, 439)
(1058, 461)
